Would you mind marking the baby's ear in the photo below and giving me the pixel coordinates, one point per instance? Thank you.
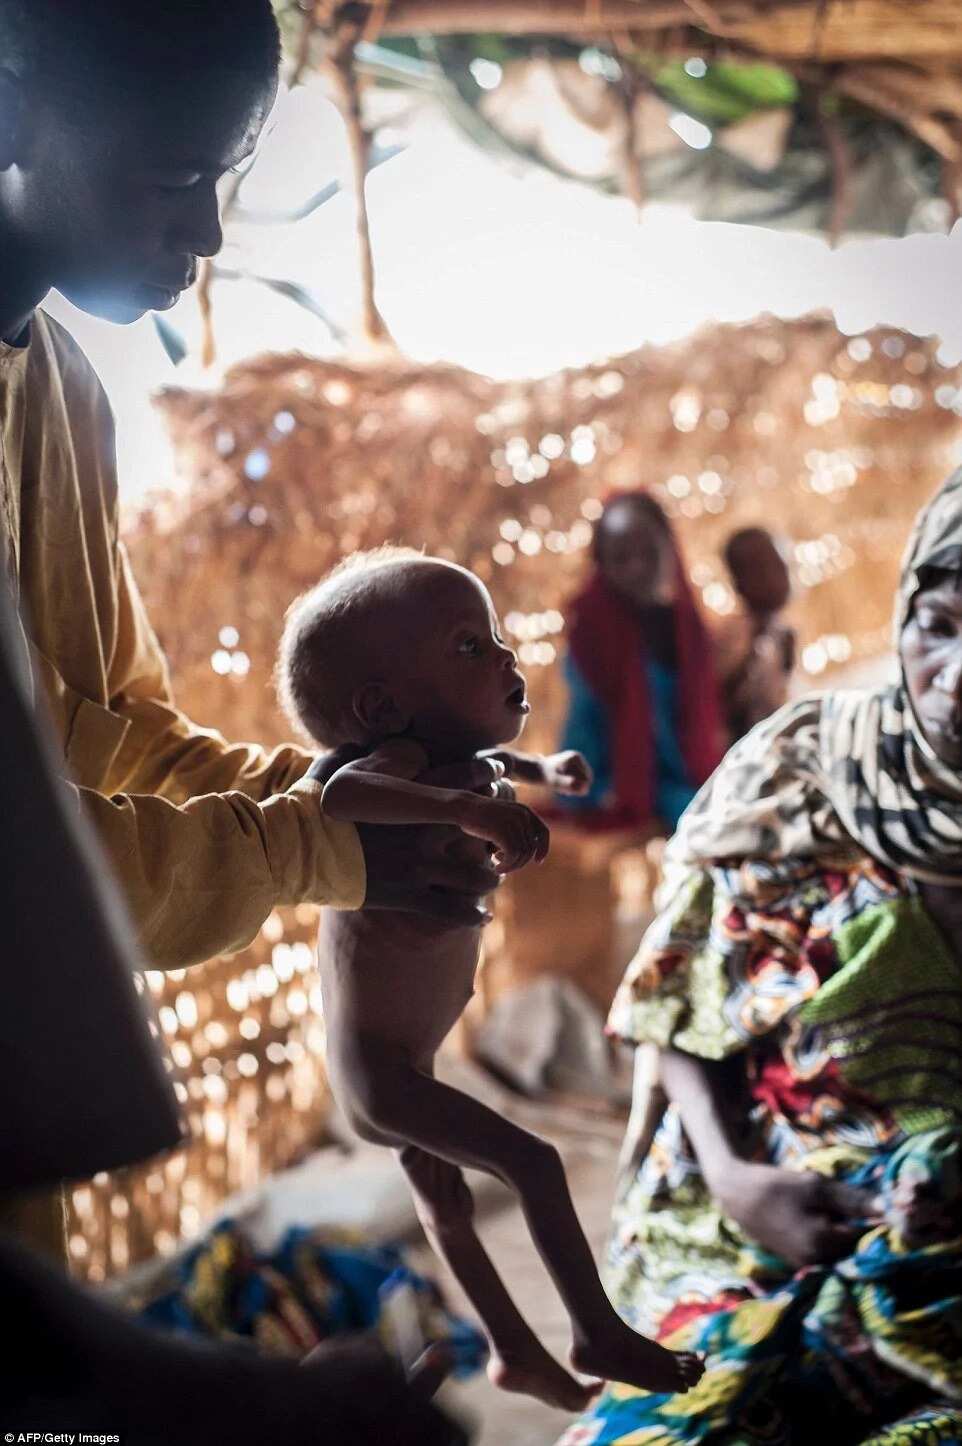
(378, 711)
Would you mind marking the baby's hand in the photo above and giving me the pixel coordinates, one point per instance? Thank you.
(568, 773)
(518, 835)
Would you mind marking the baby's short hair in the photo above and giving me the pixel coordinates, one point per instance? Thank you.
(322, 654)
(733, 552)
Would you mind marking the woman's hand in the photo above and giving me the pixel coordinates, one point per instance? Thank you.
(802, 1217)
(915, 1211)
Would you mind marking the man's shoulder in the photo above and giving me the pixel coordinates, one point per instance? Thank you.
(54, 351)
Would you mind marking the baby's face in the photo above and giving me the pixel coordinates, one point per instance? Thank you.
(462, 679)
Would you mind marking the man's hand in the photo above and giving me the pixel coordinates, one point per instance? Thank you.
(423, 870)
(483, 775)
(799, 1216)
(518, 835)
(358, 1369)
(568, 773)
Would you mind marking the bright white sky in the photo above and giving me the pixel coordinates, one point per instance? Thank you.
(510, 272)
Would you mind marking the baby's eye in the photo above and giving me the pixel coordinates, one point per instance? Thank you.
(470, 647)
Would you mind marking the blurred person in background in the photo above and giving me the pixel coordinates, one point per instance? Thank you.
(755, 649)
(644, 705)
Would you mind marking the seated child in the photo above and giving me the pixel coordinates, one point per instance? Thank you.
(396, 662)
(756, 652)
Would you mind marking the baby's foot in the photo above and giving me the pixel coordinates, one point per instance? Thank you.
(621, 1354)
(531, 1371)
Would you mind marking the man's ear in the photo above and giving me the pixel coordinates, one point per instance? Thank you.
(378, 711)
(11, 118)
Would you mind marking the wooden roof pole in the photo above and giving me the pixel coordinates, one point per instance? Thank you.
(343, 39)
(205, 271)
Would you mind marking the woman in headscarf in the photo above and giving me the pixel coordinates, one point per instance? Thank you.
(644, 703)
(796, 1210)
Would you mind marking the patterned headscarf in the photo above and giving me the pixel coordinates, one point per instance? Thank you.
(840, 774)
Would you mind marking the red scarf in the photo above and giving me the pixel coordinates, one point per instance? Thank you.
(609, 649)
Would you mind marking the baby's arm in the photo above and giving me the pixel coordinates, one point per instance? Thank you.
(382, 788)
(567, 772)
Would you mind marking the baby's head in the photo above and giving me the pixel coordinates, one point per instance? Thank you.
(395, 643)
(758, 570)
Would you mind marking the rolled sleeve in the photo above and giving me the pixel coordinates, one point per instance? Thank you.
(201, 878)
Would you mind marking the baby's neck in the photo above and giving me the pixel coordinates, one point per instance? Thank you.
(448, 750)
(444, 751)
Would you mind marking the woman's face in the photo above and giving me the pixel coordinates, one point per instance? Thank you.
(932, 662)
(635, 555)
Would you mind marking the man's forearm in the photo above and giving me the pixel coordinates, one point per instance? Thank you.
(200, 879)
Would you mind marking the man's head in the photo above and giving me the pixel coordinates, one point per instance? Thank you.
(635, 551)
(758, 570)
(117, 119)
(393, 643)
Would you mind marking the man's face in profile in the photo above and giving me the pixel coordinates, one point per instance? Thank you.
(120, 200)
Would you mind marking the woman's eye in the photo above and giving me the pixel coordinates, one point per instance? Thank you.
(936, 624)
(470, 647)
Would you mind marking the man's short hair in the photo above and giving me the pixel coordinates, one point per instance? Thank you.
(84, 49)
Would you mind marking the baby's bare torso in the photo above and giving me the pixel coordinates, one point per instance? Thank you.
(396, 977)
(399, 977)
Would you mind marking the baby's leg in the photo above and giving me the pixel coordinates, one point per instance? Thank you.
(519, 1362)
(406, 1102)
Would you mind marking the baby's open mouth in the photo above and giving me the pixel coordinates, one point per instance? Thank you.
(517, 699)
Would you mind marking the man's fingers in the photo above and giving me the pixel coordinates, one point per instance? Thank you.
(430, 1371)
(447, 904)
(476, 775)
(462, 878)
(452, 908)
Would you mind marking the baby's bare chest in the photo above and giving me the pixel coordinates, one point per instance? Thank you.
(396, 975)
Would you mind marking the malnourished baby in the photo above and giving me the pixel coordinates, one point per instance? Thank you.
(396, 662)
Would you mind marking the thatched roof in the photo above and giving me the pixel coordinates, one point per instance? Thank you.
(849, 60)
(788, 29)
